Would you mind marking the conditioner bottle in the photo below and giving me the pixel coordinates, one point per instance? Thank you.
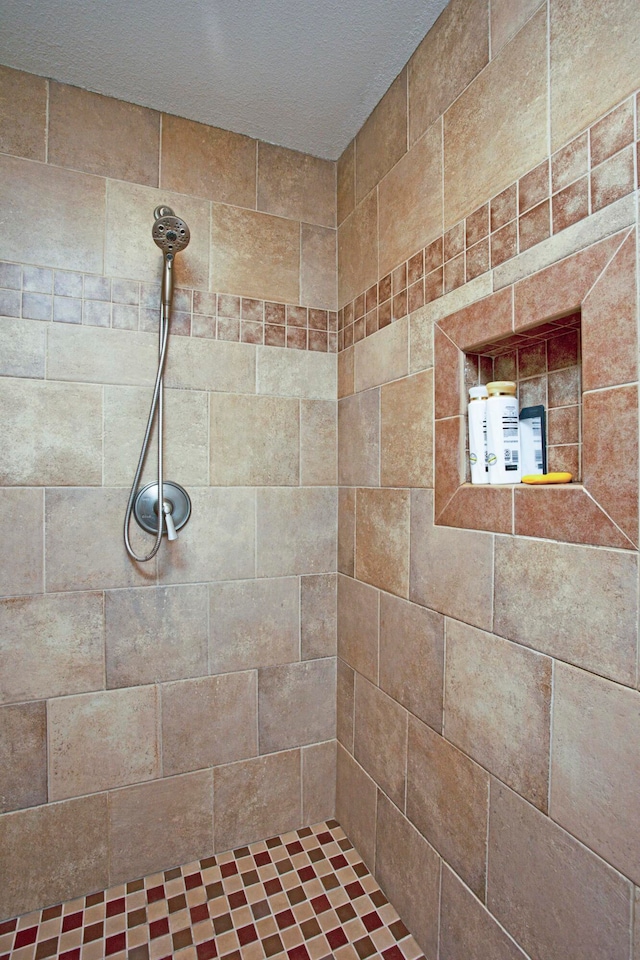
(477, 415)
(503, 438)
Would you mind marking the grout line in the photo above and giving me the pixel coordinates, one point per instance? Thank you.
(47, 119)
(551, 720)
(160, 137)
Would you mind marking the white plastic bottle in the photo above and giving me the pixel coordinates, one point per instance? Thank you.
(477, 415)
(503, 437)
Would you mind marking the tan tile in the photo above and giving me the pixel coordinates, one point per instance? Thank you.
(346, 182)
(51, 632)
(356, 805)
(319, 782)
(570, 163)
(569, 514)
(257, 798)
(410, 210)
(358, 626)
(420, 341)
(318, 616)
(196, 364)
(296, 185)
(296, 530)
(358, 250)
(318, 265)
(345, 697)
(102, 135)
(53, 853)
(479, 508)
(382, 357)
(451, 570)
(488, 318)
(346, 531)
(102, 740)
(509, 98)
(93, 355)
(179, 809)
(613, 179)
(318, 442)
(57, 216)
(254, 440)
(296, 704)
(382, 539)
(452, 53)
(380, 738)
(406, 432)
(23, 542)
(23, 114)
(358, 439)
(413, 676)
(448, 801)
(507, 18)
(22, 348)
(400, 853)
(23, 755)
(449, 450)
(498, 701)
(570, 205)
(568, 902)
(296, 373)
(591, 51)
(229, 703)
(254, 623)
(382, 139)
(346, 372)
(533, 226)
(206, 161)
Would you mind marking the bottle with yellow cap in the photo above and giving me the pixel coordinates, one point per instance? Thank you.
(503, 437)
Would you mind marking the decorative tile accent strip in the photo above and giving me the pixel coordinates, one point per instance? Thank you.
(306, 895)
(595, 169)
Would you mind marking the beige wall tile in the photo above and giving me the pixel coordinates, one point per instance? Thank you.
(383, 356)
(297, 531)
(22, 567)
(507, 17)
(346, 372)
(356, 800)
(22, 348)
(102, 135)
(130, 250)
(53, 853)
(382, 139)
(23, 755)
(90, 354)
(257, 798)
(382, 539)
(358, 626)
(199, 364)
(358, 250)
(572, 602)
(568, 902)
(411, 201)
(318, 267)
(452, 53)
(141, 627)
(448, 801)
(23, 114)
(451, 570)
(254, 440)
(420, 340)
(56, 216)
(253, 623)
(594, 770)
(345, 694)
(358, 439)
(102, 740)
(318, 616)
(497, 707)
(319, 782)
(208, 162)
(178, 809)
(318, 442)
(346, 530)
(296, 373)
(224, 712)
(346, 182)
(380, 738)
(401, 853)
(296, 185)
(412, 657)
(510, 99)
(406, 432)
(51, 433)
(297, 704)
(41, 636)
(255, 254)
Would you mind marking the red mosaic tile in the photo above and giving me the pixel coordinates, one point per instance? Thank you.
(299, 953)
(158, 928)
(114, 907)
(25, 937)
(337, 938)
(207, 950)
(115, 943)
(247, 934)
(155, 894)
(285, 919)
(72, 921)
(8, 926)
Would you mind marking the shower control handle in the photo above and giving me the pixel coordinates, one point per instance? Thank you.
(167, 509)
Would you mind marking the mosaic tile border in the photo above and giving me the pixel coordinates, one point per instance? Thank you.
(593, 170)
(305, 895)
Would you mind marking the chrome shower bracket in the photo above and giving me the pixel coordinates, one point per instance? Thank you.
(176, 508)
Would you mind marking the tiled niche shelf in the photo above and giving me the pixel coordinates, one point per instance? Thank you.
(599, 285)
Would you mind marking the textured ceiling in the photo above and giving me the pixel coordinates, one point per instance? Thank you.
(298, 73)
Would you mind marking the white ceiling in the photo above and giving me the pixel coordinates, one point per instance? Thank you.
(299, 73)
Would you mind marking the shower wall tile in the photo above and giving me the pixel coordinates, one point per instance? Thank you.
(357, 249)
(406, 432)
(254, 623)
(100, 356)
(51, 433)
(22, 348)
(296, 373)
(358, 626)
(380, 738)
(382, 539)
(265, 451)
(156, 634)
(22, 542)
(257, 798)
(346, 182)
(318, 279)
(23, 755)
(41, 636)
(209, 721)
(296, 531)
(507, 18)
(346, 530)
(356, 802)
(296, 185)
(208, 162)
(318, 616)
(23, 114)
(80, 135)
(382, 139)
(345, 697)
(102, 740)
(382, 357)
(318, 442)
(56, 215)
(358, 439)
(297, 704)
(206, 365)
(318, 782)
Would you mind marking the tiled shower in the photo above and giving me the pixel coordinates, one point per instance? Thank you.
(456, 696)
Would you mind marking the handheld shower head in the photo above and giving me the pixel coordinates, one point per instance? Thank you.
(169, 232)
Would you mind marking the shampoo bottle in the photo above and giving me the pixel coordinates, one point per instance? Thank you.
(503, 438)
(477, 415)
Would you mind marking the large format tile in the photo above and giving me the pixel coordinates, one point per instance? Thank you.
(318, 267)
(22, 567)
(406, 432)
(194, 363)
(296, 185)
(296, 530)
(358, 250)
(345, 704)
(295, 373)
(346, 182)
(297, 704)
(94, 355)
(318, 442)
(382, 539)
(356, 800)
(319, 782)
(506, 18)
(358, 439)
(383, 356)
(318, 615)
(382, 139)
(23, 114)
(23, 755)
(380, 741)
(358, 626)
(346, 530)
(22, 348)
(254, 441)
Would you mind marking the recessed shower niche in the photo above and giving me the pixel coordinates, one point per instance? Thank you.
(567, 334)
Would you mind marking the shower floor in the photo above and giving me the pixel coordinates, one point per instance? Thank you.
(305, 895)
